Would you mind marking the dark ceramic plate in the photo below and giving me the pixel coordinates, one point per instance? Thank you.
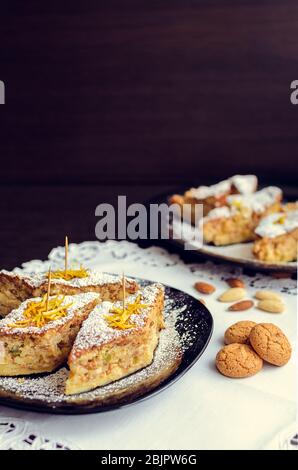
(188, 330)
(240, 253)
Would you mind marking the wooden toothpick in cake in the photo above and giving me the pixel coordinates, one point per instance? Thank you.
(49, 288)
(66, 253)
(123, 290)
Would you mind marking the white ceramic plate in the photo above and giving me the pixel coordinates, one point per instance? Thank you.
(240, 253)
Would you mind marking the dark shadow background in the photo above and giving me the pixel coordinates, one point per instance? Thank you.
(136, 97)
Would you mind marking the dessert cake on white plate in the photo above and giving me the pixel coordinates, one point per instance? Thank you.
(115, 342)
(15, 287)
(236, 222)
(215, 195)
(290, 206)
(38, 335)
(278, 236)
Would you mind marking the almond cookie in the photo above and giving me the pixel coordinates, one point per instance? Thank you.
(239, 332)
(270, 343)
(238, 361)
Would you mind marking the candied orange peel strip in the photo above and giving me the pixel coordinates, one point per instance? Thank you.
(120, 318)
(70, 274)
(281, 220)
(36, 313)
(237, 204)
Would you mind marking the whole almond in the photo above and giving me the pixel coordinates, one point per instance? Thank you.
(235, 282)
(268, 294)
(241, 306)
(202, 301)
(204, 288)
(233, 295)
(271, 306)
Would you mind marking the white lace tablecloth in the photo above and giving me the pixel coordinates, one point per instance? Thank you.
(203, 410)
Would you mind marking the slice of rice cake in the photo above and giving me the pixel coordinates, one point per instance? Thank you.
(32, 346)
(17, 287)
(103, 353)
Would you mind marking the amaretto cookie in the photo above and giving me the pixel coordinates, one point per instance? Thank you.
(238, 361)
(270, 343)
(239, 332)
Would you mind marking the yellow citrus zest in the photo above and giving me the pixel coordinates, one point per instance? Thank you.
(36, 313)
(237, 204)
(121, 318)
(70, 274)
(280, 220)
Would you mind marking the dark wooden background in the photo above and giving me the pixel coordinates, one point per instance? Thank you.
(138, 96)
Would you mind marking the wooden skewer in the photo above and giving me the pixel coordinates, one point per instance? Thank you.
(123, 290)
(66, 253)
(49, 288)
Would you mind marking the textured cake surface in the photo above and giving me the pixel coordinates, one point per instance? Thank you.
(16, 287)
(102, 353)
(277, 237)
(33, 349)
(236, 222)
(213, 196)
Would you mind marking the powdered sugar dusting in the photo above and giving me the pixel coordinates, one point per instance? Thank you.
(96, 331)
(258, 202)
(277, 224)
(49, 389)
(218, 213)
(94, 278)
(78, 301)
(217, 190)
(245, 184)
